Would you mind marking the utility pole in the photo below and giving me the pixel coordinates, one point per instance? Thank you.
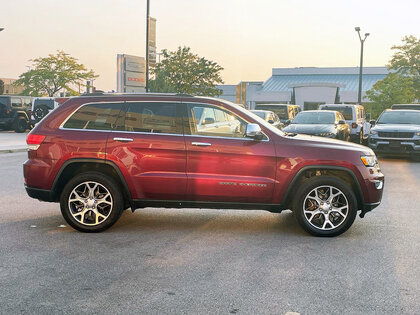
(362, 41)
(147, 45)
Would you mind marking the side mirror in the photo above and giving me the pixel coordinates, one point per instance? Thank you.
(372, 122)
(271, 121)
(254, 131)
(287, 122)
(341, 122)
(208, 121)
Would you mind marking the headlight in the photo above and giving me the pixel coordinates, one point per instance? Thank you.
(369, 160)
(417, 133)
(373, 132)
(326, 134)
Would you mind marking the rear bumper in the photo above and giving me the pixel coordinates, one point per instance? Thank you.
(40, 194)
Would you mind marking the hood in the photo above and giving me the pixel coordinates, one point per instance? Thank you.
(396, 128)
(330, 144)
(310, 129)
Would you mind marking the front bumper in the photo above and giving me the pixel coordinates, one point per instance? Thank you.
(395, 146)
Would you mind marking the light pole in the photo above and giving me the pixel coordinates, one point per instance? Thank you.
(362, 41)
(147, 45)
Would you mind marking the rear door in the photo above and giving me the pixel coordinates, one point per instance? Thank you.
(148, 146)
(222, 164)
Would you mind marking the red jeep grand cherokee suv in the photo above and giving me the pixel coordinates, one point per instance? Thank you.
(98, 155)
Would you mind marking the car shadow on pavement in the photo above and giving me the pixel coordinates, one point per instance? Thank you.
(210, 221)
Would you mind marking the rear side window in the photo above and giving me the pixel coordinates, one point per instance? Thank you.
(94, 116)
(16, 102)
(151, 118)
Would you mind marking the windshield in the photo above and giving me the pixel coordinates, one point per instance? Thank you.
(346, 111)
(280, 110)
(316, 118)
(259, 114)
(400, 117)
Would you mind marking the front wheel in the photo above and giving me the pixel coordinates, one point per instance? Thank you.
(325, 206)
(91, 202)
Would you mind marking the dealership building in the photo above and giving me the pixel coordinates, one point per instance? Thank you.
(305, 86)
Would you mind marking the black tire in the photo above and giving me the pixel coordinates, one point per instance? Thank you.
(20, 125)
(40, 112)
(306, 188)
(113, 214)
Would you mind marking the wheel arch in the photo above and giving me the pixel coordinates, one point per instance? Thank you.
(340, 172)
(83, 165)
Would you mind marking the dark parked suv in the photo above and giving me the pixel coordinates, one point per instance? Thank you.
(99, 155)
(15, 112)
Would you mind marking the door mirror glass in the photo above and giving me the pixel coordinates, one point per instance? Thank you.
(271, 121)
(254, 131)
(372, 122)
(341, 122)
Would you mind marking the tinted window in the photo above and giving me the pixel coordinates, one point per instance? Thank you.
(280, 110)
(48, 103)
(151, 117)
(16, 102)
(314, 118)
(226, 124)
(400, 117)
(4, 101)
(94, 116)
(346, 111)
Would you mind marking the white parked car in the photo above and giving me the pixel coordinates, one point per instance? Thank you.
(355, 116)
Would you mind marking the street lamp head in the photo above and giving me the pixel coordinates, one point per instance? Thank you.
(367, 34)
(357, 29)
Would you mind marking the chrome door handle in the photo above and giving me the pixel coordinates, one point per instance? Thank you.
(123, 139)
(201, 144)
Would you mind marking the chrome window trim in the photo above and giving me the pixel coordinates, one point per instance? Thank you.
(61, 127)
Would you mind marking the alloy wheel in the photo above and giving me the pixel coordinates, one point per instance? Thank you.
(90, 203)
(325, 207)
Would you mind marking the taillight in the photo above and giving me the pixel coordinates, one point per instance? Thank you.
(34, 141)
(354, 125)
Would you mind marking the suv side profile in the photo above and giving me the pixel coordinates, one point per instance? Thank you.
(15, 112)
(99, 155)
(356, 118)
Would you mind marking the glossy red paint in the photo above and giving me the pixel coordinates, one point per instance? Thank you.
(169, 167)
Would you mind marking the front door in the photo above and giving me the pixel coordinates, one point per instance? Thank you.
(148, 145)
(222, 164)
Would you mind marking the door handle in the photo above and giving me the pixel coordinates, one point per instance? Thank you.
(201, 144)
(123, 139)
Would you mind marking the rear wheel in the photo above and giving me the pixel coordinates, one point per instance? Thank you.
(21, 125)
(325, 206)
(91, 202)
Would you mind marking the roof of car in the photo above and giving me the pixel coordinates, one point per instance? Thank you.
(318, 111)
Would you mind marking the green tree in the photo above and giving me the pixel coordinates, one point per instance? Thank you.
(182, 71)
(1, 87)
(393, 89)
(406, 61)
(53, 73)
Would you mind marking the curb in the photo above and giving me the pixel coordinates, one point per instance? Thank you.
(13, 150)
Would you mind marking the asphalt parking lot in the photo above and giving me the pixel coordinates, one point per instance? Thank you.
(209, 261)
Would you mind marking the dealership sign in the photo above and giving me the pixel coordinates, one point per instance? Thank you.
(131, 75)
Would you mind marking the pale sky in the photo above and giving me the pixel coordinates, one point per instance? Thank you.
(247, 38)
